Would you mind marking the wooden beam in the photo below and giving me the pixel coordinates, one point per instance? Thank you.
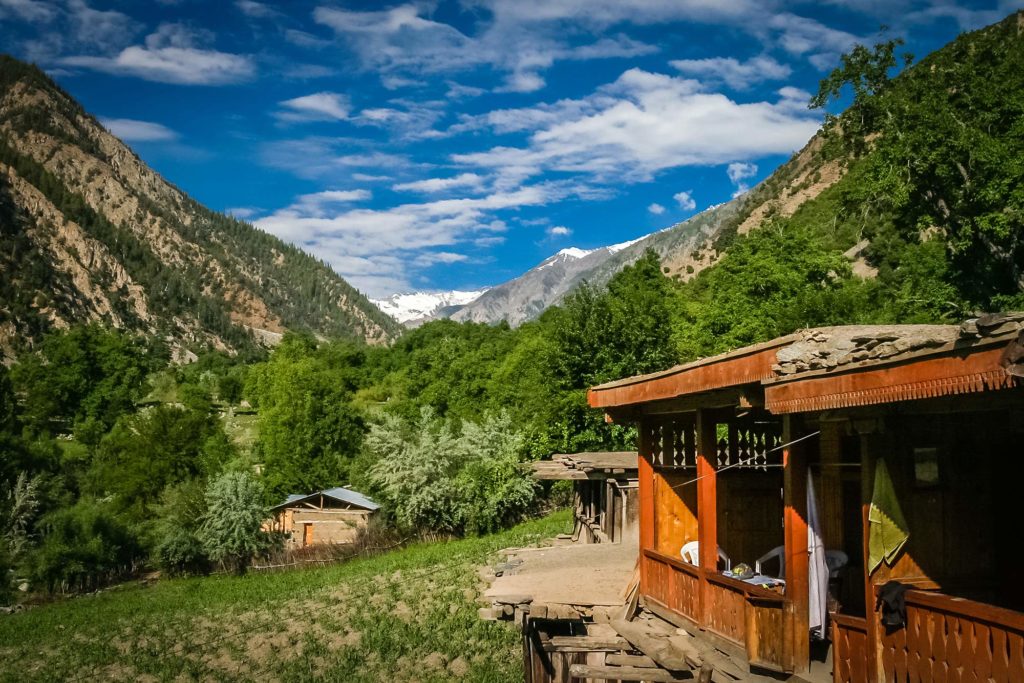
(707, 508)
(794, 462)
(623, 673)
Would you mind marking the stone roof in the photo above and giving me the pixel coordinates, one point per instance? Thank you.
(828, 348)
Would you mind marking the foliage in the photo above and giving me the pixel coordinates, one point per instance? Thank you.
(81, 375)
(83, 547)
(433, 474)
(230, 531)
(149, 450)
(178, 547)
(309, 431)
(946, 157)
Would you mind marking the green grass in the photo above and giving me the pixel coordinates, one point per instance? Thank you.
(406, 615)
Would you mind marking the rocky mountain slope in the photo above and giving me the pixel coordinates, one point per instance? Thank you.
(685, 249)
(90, 233)
(416, 308)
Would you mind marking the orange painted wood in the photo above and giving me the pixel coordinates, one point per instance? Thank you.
(849, 649)
(957, 372)
(749, 365)
(672, 583)
(795, 522)
(707, 509)
(953, 639)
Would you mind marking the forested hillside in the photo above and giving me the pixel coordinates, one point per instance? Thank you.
(942, 167)
(90, 233)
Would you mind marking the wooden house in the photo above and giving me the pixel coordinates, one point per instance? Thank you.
(835, 461)
(604, 493)
(330, 516)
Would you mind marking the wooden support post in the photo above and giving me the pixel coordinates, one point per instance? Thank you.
(873, 647)
(645, 496)
(707, 508)
(794, 462)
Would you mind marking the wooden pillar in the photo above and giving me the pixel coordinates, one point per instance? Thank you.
(873, 649)
(707, 508)
(830, 490)
(794, 462)
(645, 496)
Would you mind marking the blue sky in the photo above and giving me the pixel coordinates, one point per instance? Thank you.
(453, 145)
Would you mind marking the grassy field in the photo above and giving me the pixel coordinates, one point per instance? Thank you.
(408, 615)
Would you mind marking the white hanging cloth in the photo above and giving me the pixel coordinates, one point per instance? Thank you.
(817, 567)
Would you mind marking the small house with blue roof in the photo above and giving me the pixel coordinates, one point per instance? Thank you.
(333, 515)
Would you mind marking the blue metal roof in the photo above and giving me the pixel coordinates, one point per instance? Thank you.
(340, 493)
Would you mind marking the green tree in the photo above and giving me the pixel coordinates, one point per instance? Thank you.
(147, 451)
(231, 530)
(83, 547)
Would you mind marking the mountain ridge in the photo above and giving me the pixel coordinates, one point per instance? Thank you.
(125, 247)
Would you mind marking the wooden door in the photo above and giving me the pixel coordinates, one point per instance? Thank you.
(307, 535)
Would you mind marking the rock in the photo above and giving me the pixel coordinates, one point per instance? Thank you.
(788, 354)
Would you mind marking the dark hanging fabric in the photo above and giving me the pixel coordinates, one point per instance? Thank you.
(892, 602)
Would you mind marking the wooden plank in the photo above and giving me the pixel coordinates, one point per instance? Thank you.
(585, 644)
(629, 660)
(624, 673)
(665, 652)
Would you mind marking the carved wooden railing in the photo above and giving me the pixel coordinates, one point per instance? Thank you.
(673, 583)
(849, 649)
(750, 617)
(953, 639)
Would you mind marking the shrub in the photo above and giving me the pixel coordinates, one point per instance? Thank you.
(431, 477)
(84, 546)
(178, 548)
(231, 531)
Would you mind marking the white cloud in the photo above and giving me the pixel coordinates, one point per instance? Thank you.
(643, 123)
(732, 72)
(171, 55)
(738, 172)
(255, 10)
(378, 250)
(471, 180)
(319, 106)
(103, 29)
(316, 157)
(243, 213)
(28, 10)
(368, 178)
(559, 231)
(656, 209)
(685, 200)
(132, 130)
(401, 40)
(803, 36)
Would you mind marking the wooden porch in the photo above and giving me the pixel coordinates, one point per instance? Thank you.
(939, 406)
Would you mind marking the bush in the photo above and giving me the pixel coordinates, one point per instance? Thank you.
(431, 477)
(84, 547)
(231, 531)
(178, 548)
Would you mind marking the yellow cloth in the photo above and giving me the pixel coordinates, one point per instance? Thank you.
(887, 530)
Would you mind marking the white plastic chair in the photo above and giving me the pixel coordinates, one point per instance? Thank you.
(690, 552)
(835, 560)
(776, 552)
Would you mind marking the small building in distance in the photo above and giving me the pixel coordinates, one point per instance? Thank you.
(605, 493)
(330, 516)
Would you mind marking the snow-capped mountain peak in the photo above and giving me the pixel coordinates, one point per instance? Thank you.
(414, 306)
